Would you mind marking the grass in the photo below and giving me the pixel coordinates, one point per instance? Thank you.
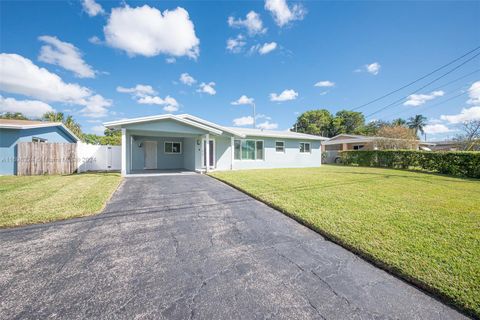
(39, 199)
(422, 227)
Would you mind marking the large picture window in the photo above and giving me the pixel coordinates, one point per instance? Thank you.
(248, 150)
(173, 147)
(304, 147)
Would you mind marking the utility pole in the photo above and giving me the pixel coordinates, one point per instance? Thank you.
(254, 116)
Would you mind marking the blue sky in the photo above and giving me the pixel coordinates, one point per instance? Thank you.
(102, 61)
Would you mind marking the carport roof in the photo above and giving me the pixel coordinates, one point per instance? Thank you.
(120, 123)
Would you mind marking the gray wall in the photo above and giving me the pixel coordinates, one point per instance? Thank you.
(164, 160)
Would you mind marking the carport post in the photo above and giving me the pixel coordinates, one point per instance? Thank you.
(207, 152)
(124, 152)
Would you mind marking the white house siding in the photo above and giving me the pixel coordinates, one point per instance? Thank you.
(189, 146)
(291, 158)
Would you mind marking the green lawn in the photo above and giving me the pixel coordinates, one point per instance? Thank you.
(423, 227)
(36, 199)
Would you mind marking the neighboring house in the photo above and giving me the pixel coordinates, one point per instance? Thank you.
(344, 142)
(14, 131)
(167, 142)
(448, 145)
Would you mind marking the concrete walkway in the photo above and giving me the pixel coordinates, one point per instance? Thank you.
(190, 247)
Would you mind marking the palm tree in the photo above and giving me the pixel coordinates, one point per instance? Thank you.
(53, 116)
(13, 115)
(417, 123)
(69, 122)
(399, 122)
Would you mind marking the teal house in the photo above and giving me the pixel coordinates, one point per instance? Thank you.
(14, 131)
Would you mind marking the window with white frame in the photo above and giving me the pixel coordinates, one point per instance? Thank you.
(173, 147)
(37, 139)
(358, 147)
(248, 150)
(304, 147)
(280, 146)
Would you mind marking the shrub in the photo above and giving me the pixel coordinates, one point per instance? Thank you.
(458, 163)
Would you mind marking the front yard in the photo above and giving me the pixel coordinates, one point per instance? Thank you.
(35, 199)
(423, 227)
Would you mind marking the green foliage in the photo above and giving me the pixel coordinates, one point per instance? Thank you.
(460, 163)
(417, 123)
(322, 122)
(13, 116)
(111, 137)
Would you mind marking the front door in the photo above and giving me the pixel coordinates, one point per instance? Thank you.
(150, 148)
(211, 153)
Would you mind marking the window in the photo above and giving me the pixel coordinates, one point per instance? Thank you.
(280, 146)
(358, 147)
(248, 150)
(37, 139)
(304, 147)
(173, 147)
(237, 144)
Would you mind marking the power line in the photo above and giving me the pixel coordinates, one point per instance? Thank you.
(396, 102)
(415, 81)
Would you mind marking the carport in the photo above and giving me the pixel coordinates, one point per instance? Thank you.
(168, 143)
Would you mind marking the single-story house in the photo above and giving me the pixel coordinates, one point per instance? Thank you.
(344, 142)
(179, 142)
(14, 131)
(447, 145)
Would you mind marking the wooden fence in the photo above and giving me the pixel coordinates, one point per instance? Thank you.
(36, 158)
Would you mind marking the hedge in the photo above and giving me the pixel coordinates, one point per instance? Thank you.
(458, 163)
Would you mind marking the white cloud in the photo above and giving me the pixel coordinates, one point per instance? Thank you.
(267, 47)
(267, 125)
(252, 23)
(466, 114)
(19, 75)
(96, 106)
(373, 68)
(187, 79)
(282, 14)
(325, 84)
(170, 60)
(95, 40)
(140, 90)
(474, 93)
(242, 100)
(65, 55)
(30, 108)
(207, 88)
(145, 94)
(286, 95)
(147, 31)
(416, 100)
(436, 128)
(98, 129)
(169, 104)
(243, 121)
(92, 8)
(236, 45)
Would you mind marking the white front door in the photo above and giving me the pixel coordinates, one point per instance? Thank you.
(150, 148)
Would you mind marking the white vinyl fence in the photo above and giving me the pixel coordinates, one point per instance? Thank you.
(98, 158)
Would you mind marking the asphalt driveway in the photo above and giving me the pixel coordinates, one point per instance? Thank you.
(184, 247)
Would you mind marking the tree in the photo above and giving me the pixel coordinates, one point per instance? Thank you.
(111, 137)
(399, 122)
(396, 137)
(13, 116)
(417, 123)
(372, 128)
(69, 122)
(469, 139)
(347, 122)
(316, 122)
(53, 116)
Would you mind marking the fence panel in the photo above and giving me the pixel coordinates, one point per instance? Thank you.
(98, 158)
(36, 158)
